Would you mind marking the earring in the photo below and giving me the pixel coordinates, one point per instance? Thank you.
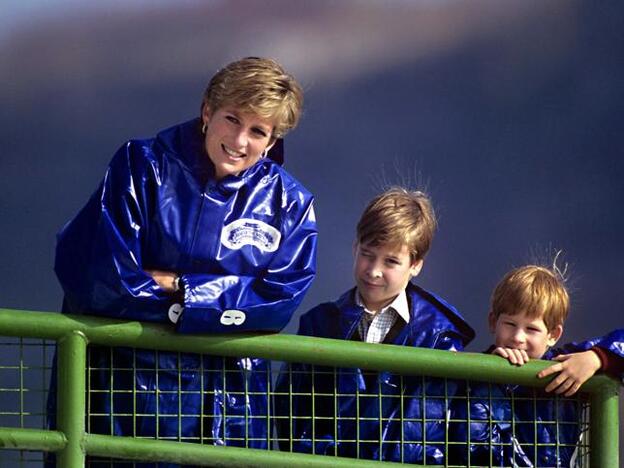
(263, 154)
(204, 128)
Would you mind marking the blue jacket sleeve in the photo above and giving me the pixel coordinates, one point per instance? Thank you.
(98, 253)
(238, 303)
(613, 342)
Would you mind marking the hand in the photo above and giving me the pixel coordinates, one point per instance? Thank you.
(164, 279)
(518, 357)
(574, 370)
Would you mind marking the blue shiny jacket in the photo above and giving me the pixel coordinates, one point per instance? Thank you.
(545, 429)
(244, 248)
(433, 324)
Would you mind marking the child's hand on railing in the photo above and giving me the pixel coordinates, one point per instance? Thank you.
(517, 357)
(574, 370)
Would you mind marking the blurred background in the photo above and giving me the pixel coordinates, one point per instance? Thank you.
(508, 113)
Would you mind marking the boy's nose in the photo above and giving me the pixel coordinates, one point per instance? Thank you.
(374, 272)
(519, 336)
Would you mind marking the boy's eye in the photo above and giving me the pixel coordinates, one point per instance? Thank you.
(231, 118)
(393, 261)
(510, 324)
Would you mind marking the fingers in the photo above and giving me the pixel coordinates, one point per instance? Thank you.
(550, 370)
(517, 357)
(525, 356)
(567, 387)
(559, 384)
(573, 389)
(554, 383)
(501, 352)
(561, 357)
(564, 383)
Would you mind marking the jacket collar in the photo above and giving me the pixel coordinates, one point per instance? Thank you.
(399, 304)
(418, 300)
(350, 314)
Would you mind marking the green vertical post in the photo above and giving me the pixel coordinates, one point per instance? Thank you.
(72, 356)
(604, 430)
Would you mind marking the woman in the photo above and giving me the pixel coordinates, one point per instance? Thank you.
(202, 228)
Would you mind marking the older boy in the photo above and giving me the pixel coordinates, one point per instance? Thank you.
(393, 236)
(529, 307)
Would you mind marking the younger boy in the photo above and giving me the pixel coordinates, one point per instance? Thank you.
(529, 307)
(366, 414)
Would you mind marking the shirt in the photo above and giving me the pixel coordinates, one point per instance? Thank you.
(374, 326)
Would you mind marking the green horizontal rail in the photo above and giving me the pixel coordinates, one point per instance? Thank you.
(74, 332)
(283, 347)
(31, 439)
(209, 455)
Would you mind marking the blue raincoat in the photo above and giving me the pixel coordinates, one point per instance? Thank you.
(375, 418)
(244, 247)
(545, 431)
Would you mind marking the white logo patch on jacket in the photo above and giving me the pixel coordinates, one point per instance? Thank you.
(246, 231)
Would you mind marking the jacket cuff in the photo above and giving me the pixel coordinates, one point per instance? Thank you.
(610, 363)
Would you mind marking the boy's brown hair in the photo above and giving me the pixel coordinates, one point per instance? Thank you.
(259, 86)
(534, 290)
(399, 217)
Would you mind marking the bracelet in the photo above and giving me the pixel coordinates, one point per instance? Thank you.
(176, 284)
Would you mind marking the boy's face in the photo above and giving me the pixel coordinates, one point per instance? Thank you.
(520, 331)
(382, 272)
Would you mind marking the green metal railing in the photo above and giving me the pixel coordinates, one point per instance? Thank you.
(72, 334)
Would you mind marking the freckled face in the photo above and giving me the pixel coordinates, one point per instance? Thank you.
(235, 140)
(382, 272)
(522, 332)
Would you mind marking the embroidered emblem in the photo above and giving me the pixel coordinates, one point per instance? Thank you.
(247, 231)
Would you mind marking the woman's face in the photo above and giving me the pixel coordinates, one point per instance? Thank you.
(235, 140)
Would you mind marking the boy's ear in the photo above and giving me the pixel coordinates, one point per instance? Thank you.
(355, 246)
(416, 267)
(492, 322)
(554, 335)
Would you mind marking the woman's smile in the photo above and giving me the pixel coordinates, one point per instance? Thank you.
(232, 153)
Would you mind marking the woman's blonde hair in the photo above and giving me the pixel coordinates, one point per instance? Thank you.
(534, 290)
(259, 86)
(399, 217)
